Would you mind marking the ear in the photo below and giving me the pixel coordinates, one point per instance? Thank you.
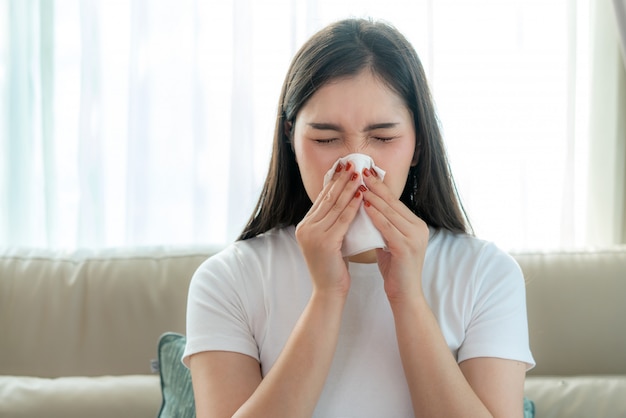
(416, 153)
(288, 129)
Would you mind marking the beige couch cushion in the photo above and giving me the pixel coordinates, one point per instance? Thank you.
(90, 313)
(578, 397)
(577, 311)
(80, 397)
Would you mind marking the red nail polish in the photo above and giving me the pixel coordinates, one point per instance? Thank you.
(374, 173)
(354, 176)
(362, 188)
(348, 166)
(338, 168)
(357, 194)
(367, 203)
(366, 172)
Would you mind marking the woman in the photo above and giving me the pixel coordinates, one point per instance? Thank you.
(280, 324)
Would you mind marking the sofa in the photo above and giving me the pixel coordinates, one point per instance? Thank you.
(79, 330)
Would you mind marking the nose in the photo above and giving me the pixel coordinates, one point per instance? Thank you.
(357, 146)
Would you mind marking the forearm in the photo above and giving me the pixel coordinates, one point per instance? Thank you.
(437, 385)
(293, 386)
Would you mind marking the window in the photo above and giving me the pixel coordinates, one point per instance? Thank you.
(150, 123)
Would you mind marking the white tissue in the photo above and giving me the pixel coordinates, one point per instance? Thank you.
(362, 235)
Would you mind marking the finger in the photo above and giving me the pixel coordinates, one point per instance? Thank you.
(382, 204)
(345, 216)
(403, 239)
(385, 218)
(376, 185)
(334, 197)
(344, 208)
(326, 188)
(329, 224)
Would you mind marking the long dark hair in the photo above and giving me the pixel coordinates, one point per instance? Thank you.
(344, 49)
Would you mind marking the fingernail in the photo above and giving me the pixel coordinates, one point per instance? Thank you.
(367, 203)
(366, 172)
(374, 173)
(362, 188)
(354, 176)
(338, 168)
(357, 194)
(348, 166)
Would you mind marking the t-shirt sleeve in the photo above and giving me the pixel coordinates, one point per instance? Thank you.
(217, 308)
(498, 326)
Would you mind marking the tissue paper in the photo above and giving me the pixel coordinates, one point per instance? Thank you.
(362, 235)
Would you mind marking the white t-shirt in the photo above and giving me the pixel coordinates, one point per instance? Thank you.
(248, 297)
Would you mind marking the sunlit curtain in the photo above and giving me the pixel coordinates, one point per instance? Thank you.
(141, 122)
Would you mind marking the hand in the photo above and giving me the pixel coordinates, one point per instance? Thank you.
(405, 234)
(321, 232)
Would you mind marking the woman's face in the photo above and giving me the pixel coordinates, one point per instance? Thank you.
(358, 114)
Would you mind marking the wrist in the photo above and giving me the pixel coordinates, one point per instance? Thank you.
(336, 295)
(328, 307)
(407, 302)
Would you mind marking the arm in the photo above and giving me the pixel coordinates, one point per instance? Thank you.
(482, 387)
(229, 384)
(222, 381)
(292, 387)
(479, 387)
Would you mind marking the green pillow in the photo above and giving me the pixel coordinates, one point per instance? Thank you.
(176, 386)
(529, 408)
(176, 381)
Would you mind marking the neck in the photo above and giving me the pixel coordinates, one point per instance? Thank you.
(366, 257)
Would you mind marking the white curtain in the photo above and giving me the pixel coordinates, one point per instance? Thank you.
(620, 14)
(139, 122)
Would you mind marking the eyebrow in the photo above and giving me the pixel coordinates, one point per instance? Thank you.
(333, 127)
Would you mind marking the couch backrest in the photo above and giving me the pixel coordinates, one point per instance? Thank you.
(577, 311)
(90, 313)
(101, 313)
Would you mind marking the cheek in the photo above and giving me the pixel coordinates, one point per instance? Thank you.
(313, 163)
(398, 183)
(313, 182)
(311, 173)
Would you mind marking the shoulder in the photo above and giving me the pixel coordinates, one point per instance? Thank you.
(484, 286)
(472, 256)
(247, 258)
(237, 278)
(261, 246)
(465, 247)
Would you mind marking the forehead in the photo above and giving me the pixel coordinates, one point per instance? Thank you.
(364, 94)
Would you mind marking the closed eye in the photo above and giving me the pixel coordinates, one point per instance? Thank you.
(325, 141)
(384, 138)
